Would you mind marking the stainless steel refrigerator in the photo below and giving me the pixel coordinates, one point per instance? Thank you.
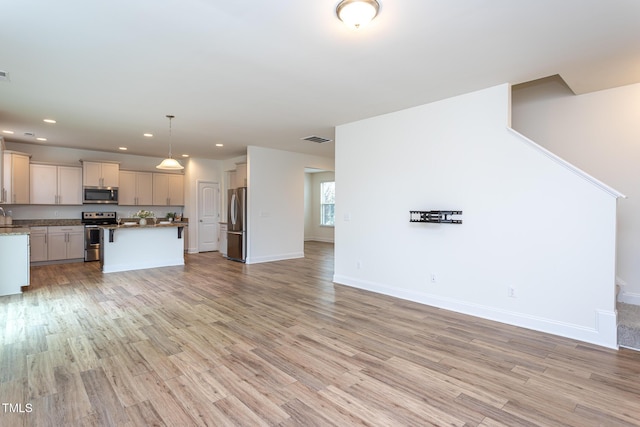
(237, 225)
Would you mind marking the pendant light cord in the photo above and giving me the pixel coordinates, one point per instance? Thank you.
(170, 117)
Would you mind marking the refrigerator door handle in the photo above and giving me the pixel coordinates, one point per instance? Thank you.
(233, 208)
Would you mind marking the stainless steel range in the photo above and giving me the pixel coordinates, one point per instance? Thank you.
(91, 221)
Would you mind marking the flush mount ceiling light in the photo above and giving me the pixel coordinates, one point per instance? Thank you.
(170, 163)
(357, 13)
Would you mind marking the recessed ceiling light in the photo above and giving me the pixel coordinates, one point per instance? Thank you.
(41, 139)
(148, 135)
(219, 145)
(8, 132)
(122, 148)
(185, 155)
(49, 121)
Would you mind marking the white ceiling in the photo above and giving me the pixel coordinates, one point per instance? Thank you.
(267, 73)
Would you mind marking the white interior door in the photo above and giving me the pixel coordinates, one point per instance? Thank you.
(208, 215)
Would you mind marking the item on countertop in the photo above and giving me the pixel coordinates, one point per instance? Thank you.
(144, 214)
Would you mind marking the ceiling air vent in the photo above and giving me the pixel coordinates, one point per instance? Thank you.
(317, 139)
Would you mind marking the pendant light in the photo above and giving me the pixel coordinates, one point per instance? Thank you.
(170, 163)
(357, 13)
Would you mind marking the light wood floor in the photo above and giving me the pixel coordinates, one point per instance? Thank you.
(221, 343)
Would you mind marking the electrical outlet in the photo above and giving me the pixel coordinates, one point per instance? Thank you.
(511, 292)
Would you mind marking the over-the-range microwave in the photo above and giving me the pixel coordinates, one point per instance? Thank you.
(93, 195)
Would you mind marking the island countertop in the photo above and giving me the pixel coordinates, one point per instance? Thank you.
(127, 225)
(12, 231)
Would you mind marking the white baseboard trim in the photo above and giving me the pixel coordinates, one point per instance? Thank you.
(604, 334)
(629, 297)
(271, 258)
(318, 239)
(624, 295)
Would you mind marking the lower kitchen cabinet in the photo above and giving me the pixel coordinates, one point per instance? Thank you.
(38, 244)
(65, 242)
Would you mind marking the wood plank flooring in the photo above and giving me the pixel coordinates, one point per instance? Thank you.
(220, 343)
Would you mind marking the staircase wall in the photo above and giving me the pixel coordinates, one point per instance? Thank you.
(600, 133)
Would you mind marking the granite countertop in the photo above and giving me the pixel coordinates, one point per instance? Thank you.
(135, 225)
(25, 223)
(46, 222)
(13, 231)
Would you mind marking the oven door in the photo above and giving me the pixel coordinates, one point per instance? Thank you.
(91, 243)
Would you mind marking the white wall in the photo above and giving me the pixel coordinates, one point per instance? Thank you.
(600, 133)
(530, 221)
(312, 228)
(276, 202)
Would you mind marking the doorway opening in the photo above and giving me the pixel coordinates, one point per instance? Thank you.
(319, 205)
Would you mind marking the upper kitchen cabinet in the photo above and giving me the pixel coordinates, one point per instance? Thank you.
(136, 188)
(55, 185)
(240, 175)
(100, 174)
(15, 178)
(168, 189)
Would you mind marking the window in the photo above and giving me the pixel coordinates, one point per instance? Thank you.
(327, 202)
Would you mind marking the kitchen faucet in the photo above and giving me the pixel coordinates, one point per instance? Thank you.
(2, 210)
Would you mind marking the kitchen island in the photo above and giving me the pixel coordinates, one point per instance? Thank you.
(14, 259)
(136, 247)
